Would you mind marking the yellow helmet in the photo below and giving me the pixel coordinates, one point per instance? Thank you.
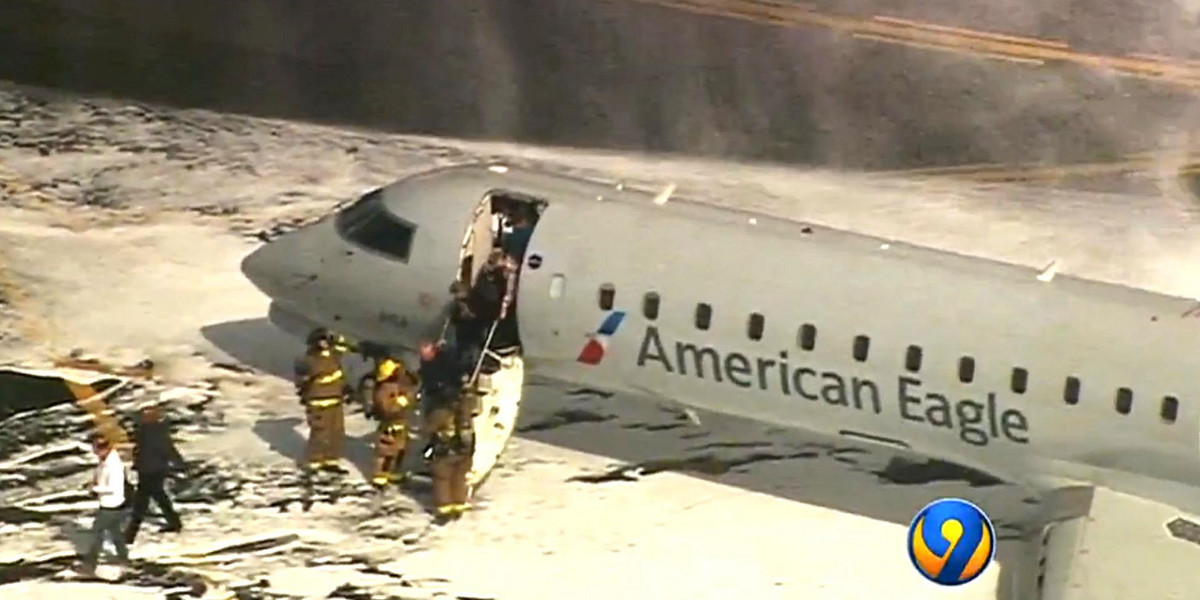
(387, 367)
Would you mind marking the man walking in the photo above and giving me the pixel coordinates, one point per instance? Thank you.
(154, 454)
(108, 484)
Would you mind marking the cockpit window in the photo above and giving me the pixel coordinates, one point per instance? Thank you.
(368, 223)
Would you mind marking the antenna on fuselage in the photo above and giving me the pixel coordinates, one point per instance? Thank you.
(1049, 271)
(665, 195)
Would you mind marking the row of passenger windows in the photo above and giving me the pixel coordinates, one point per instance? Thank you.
(806, 339)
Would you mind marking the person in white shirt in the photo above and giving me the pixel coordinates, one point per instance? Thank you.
(109, 485)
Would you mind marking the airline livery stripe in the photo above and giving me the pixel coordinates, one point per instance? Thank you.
(611, 323)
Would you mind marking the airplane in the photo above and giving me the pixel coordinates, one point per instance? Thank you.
(1035, 377)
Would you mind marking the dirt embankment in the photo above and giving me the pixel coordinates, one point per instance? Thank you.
(621, 74)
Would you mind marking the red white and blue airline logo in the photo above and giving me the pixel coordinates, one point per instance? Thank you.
(593, 350)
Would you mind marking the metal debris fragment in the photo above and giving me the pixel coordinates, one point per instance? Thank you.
(704, 464)
(1185, 530)
(566, 416)
(144, 369)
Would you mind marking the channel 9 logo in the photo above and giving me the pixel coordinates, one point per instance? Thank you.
(951, 541)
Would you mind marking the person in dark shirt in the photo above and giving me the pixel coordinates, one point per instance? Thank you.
(154, 455)
(487, 294)
(515, 242)
(469, 328)
(441, 374)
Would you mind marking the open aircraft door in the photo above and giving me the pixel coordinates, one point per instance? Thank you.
(478, 242)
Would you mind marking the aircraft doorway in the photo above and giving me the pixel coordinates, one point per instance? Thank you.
(500, 229)
(490, 261)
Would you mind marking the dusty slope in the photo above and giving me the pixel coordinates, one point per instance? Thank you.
(631, 75)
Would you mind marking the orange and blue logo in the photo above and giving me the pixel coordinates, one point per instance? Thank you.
(597, 344)
(951, 541)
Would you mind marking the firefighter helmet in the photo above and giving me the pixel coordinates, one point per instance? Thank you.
(317, 335)
(387, 368)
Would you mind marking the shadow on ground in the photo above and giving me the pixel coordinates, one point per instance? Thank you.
(256, 343)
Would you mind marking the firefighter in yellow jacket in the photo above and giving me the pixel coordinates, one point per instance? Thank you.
(321, 382)
(394, 399)
(448, 423)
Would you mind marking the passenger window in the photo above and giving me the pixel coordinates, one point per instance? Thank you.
(703, 316)
(1020, 380)
(1071, 390)
(558, 285)
(368, 223)
(912, 359)
(650, 306)
(862, 344)
(808, 337)
(1170, 409)
(608, 295)
(1124, 400)
(755, 327)
(966, 369)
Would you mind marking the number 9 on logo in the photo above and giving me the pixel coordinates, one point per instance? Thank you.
(951, 541)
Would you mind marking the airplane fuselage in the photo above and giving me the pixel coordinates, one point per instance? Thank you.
(956, 357)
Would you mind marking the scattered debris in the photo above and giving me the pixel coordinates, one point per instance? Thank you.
(29, 390)
(586, 392)
(277, 229)
(654, 426)
(16, 514)
(663, 196)
(249, 545)
(215, 210)
(846, 455)
(718, 445)
(236, 368)
(49, 423)
(566, 416)
(143, 369)
(1048, 272)
(705, 464)
(1183, 529)
(906, 472)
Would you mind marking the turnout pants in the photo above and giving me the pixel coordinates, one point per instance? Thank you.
(150, 487)
(390, 442)
(327, 431)
(107, 523)
(450, 459)
(450, 489)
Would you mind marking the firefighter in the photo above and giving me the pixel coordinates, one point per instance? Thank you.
(451, 441)
(321, 383)
(395, 389)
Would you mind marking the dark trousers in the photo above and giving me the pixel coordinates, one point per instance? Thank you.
(150, 486)
(106, 523)
(468, 339)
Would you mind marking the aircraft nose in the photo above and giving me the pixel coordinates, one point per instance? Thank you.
(263, 267)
